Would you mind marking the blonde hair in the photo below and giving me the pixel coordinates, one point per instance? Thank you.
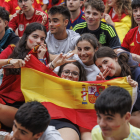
(122, 6)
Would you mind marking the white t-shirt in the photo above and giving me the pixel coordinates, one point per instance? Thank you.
(57, 46)
(50, 134)
(91, 71)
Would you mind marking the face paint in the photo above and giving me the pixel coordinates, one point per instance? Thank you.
(57, 25)
(30, 41)
(75, 79)
(134, 15)
(62, 76)
(115, 127)
(111, 64)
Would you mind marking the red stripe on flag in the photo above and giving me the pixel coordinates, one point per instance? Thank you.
(82, 117)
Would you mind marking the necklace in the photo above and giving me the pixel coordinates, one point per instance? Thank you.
(137, 37)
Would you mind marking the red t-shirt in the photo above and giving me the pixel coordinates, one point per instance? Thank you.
(61, 2)
(18, 20)
(130, 42)
(12, 6)
(10, 90)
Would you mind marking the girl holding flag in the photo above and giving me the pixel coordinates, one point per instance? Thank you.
(32, 42)
(112, 66)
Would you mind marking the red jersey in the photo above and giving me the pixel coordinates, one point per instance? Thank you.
(12, 5)
(130, 41)
(50, 4)
(1, 2)
(10, 90)
(18, 20)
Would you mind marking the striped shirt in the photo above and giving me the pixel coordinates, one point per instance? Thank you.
(105, 33)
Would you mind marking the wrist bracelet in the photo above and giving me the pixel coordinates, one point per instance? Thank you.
(42, 60)
(8, 61)
(52, 65)
(48, 66)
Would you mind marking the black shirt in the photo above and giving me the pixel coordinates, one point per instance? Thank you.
(12, 39)
(106, 34)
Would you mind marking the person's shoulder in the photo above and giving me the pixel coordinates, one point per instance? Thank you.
(80, 26)
(96, 133)
(133, 30)
(16, 14)
(109, 28)
(51, 134)
(134, 133)
(13, 38)
(72, 33)
(39, 12)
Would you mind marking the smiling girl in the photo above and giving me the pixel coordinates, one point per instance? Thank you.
(32, 42)
(86, 46)
(112, 66)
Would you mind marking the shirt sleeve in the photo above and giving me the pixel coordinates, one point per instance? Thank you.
(6, 52)
(113, 39)
(126, 43)
(13, 22)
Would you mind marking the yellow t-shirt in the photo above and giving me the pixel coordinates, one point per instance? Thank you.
(134, 133)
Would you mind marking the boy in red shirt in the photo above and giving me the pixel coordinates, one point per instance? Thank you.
(12, 6)
(27, 15)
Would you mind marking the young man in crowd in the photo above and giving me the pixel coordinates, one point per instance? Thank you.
(7, 36)
(58, 38)
(31, 123)
(76, 14)
(113, 108)
(104, 32)
(27, 15)
(12, 6)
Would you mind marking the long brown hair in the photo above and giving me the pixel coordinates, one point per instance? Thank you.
(122, 6)
(122, 59)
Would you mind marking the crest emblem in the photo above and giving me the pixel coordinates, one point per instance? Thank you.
(21, 27)
(102, 38)
(94, 92)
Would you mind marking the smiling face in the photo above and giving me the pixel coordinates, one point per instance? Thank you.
(21, 133)
(112, 125)
(92, 16)
(85, 52)
(111, 3)
(136, 15)
(57, 23)
(111, 64)
(74, 5)
(35, 38)
(70, 72)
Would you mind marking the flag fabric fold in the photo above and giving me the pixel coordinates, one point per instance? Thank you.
(64, 98)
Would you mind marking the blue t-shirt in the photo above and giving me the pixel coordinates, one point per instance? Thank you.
(79, 19)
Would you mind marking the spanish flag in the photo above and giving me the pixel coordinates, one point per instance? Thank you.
(64, 98)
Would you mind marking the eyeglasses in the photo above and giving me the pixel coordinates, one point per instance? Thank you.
(20, 1)
(73, 73)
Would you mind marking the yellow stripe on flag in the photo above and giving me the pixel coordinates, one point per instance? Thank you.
(36, 85)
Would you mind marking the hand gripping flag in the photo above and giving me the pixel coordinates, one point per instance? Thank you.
(64, 98)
